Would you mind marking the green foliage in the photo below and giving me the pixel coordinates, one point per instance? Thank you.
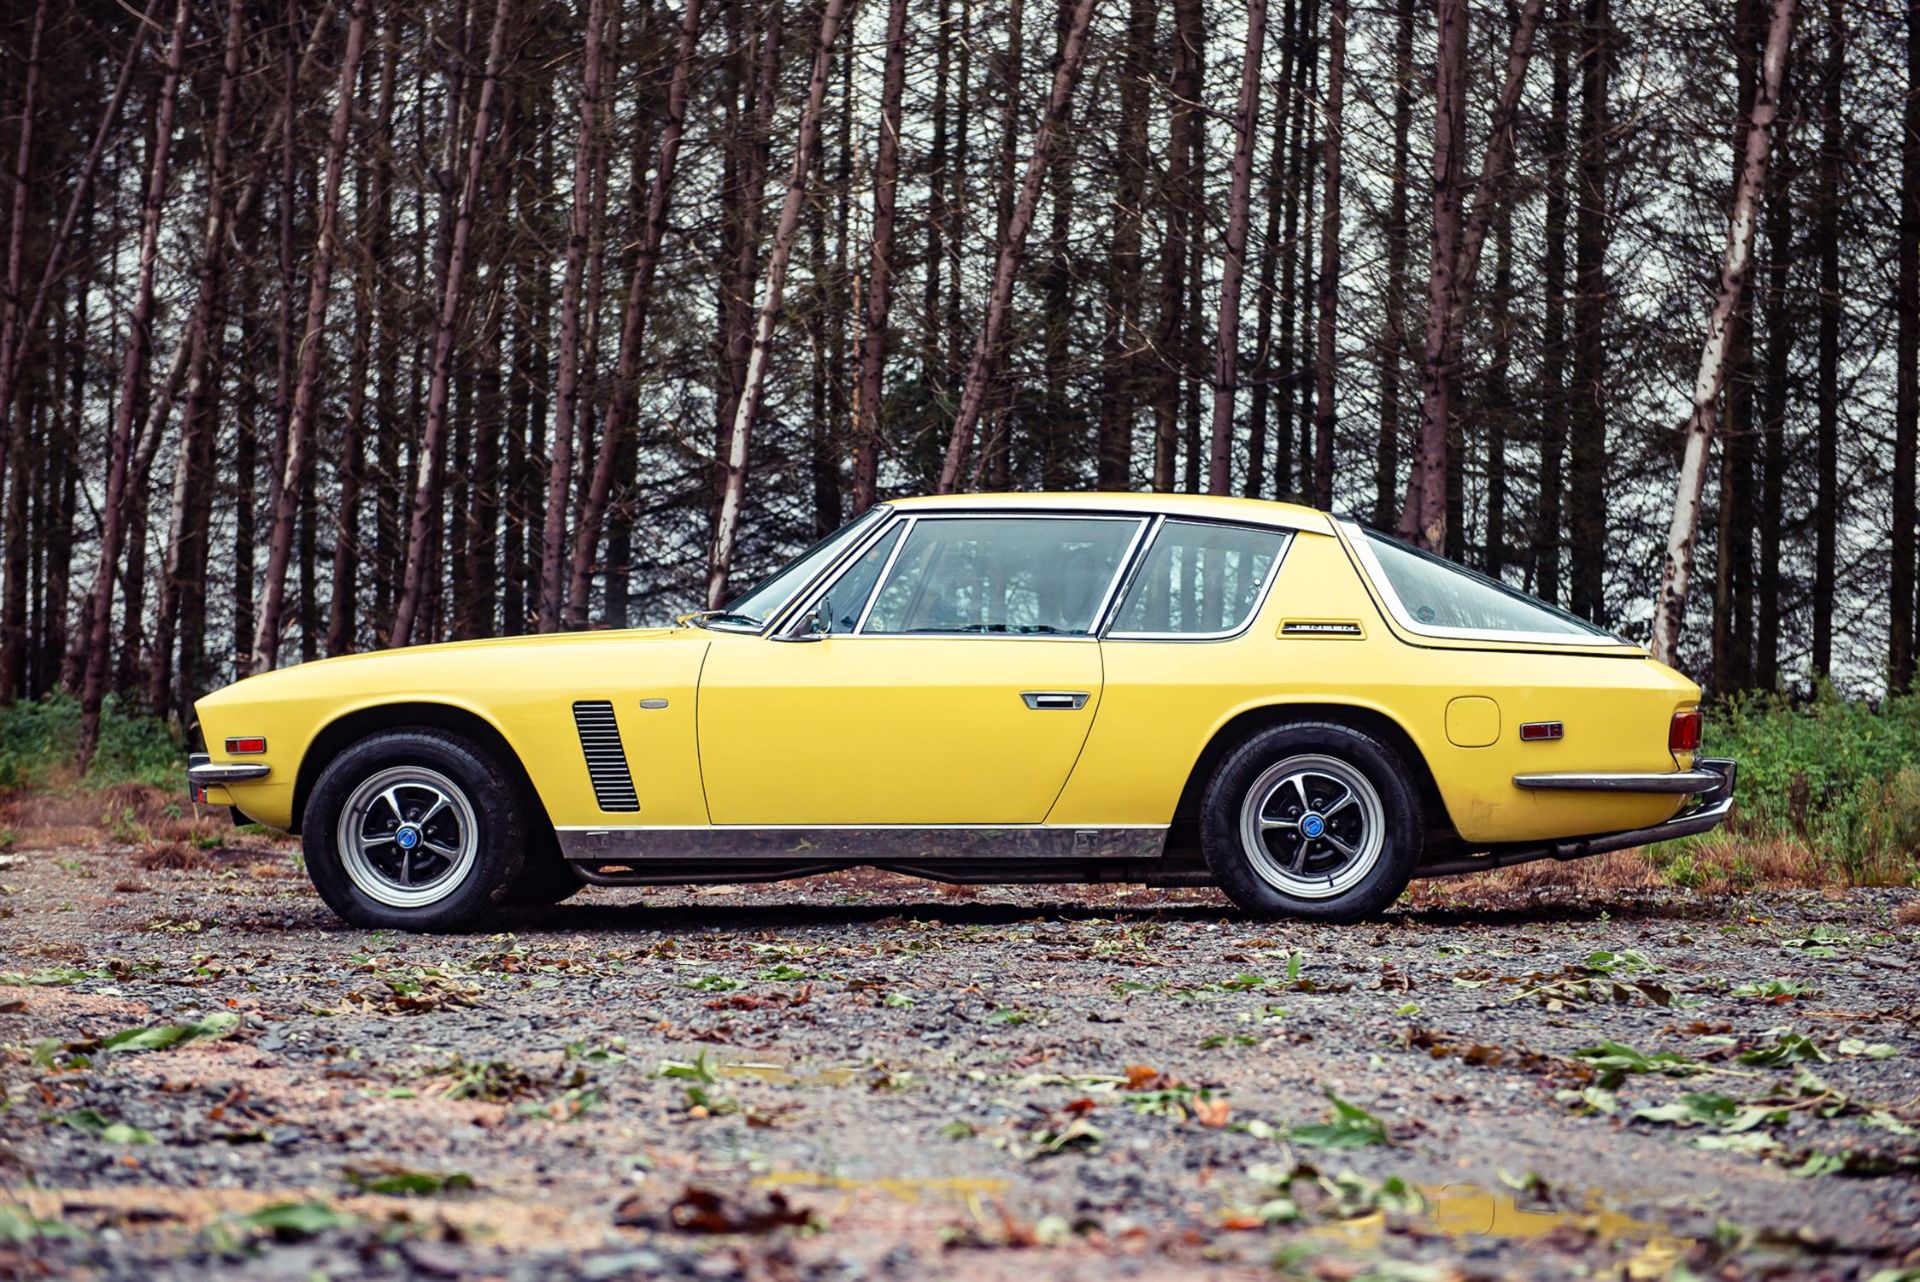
(1349, 1126)
(1841, 776)
(38, 740)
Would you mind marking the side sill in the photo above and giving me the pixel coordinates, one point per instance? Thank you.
(878, 844)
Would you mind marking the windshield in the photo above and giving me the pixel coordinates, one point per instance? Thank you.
(754, 608)
(1438, 596)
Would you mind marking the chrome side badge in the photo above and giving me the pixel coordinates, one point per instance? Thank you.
(1321, 628)
(653, 705)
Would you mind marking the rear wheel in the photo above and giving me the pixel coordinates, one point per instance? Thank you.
(1314, 820)
(414, 830)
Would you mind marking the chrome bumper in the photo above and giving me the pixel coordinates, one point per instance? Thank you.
(202, 773)
(1682, 782)
(1712, 779)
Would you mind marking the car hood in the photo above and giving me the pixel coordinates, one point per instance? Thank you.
(439, 665)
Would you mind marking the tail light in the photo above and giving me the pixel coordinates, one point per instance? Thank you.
(1683, 734)
(246, 746)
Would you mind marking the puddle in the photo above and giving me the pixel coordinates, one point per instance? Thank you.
(1473, 1211)
(961, 1187)
(790, 1075)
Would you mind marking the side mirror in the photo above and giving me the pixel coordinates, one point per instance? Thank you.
(817, 626)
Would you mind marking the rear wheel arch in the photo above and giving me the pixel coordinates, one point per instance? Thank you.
(1244, 725)
(350, 728)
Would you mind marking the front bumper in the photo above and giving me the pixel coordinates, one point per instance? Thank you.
(203, 773)
(1711, 780)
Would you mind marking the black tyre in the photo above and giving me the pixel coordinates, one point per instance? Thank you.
(1312, 820)
(546, 877)
(414, 830)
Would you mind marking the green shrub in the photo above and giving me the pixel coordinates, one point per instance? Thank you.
(1839, 775)
(39, 740)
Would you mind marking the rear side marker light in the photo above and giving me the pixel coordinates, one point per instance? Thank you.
(1539, 731)
(1683, 735)
(246, 746)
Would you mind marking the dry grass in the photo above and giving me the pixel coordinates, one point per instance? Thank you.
(168, 830)
(1723, 865)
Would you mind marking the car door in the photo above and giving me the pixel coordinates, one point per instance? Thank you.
(946, 677)
(1180, 654)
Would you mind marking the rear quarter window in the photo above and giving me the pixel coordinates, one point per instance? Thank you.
(1437, 595)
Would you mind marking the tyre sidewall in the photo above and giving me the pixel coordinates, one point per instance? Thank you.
(500, 836)
(1236, 774)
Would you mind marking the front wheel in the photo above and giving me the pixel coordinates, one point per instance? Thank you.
(414, 830)
(1313, 820)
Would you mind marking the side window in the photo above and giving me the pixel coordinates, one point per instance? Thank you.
(1199, 580)
(1024, 576)
(848, 596)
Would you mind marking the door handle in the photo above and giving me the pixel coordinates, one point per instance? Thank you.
(1054, 700)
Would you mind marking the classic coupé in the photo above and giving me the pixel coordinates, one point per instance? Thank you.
(1156, 689)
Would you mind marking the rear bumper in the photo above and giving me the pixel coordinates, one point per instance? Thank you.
(1682, 782)
(203, 773)
(1711, 780)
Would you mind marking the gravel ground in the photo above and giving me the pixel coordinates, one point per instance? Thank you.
(862, 1076)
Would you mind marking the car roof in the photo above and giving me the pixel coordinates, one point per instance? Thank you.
(1214, 507)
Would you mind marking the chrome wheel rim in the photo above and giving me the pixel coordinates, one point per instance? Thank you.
(407, 837)
(1312, 826)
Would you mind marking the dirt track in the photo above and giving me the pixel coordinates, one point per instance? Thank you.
(862, 1076)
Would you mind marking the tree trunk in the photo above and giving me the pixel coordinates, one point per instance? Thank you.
(132, 372)
(430, 463)
(1765, 666)
(739, 440)
(981, 369)
(870, 427)
(343, 607)
(13, 341)
(1906, 413)
(1392, 340)
(1226, 358)
(1553, 400)
(1670, 611)
(1499, 397)
(1833, 144)
(567, 408)
(1587, 416)
(1440, 364)
(1323, 404)
(1271, 251)
(13, 626)
(306, 391)
(1732, 543)
(1177, 201)
(1423, 519)
(186, 536)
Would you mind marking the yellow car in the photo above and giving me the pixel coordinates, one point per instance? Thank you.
(1158, 689)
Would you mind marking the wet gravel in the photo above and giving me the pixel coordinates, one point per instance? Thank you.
(862, 1076)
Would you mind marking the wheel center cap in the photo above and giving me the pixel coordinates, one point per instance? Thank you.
(1313, 825)
(407, 837)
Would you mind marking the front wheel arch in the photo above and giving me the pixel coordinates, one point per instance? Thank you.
(343, 732)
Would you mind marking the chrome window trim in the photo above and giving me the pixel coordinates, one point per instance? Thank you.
(1357, 541)
(795, 604)
(880, 579)
(912, 520)
(1286, 537)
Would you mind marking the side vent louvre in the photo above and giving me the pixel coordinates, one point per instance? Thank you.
(606, 758)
